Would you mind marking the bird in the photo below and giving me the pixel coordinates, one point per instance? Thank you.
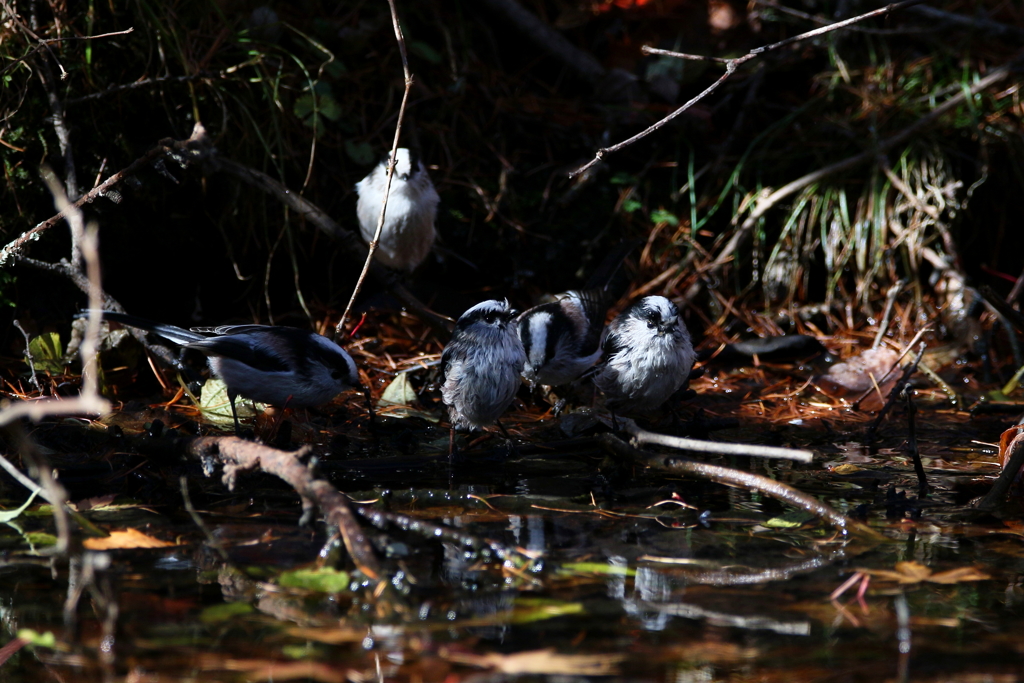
(408, 231)
(282, 366)
(562, 338)
(481, 366)
(647, 356)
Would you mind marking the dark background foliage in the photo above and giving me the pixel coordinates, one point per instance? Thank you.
(308, 92)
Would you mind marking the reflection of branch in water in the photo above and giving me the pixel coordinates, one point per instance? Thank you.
(715, 618)
(746, 576)
(381, 519)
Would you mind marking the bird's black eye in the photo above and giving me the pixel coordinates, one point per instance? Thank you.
(490, 318)
(651, 325)
(337, 375)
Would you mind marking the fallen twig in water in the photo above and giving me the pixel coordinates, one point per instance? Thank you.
(641, 436)
(238, 455)
(730, 477)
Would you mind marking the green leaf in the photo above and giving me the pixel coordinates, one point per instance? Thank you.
(37, 639)
(360, 152)
(11, 515)
(790, 520)
(329, 108)
(424, 51)
(663, 216)
(325, 580)
(528, 610)
(47, 353)
(623, 178)
(300, 652)
(229, 610)
(576, 568)
(304, 108)
(630, 205)
(335, 69)
(36, 538)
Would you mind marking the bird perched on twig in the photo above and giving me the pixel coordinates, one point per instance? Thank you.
(408, 231)
(647, 356)
(481, 366)
(282, 366)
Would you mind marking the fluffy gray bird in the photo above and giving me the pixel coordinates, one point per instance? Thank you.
(481, 366)
(647, 356)
(282, 366)
(408, 232)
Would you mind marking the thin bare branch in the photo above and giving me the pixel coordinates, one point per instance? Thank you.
(102, 35)
(89, 400)
(16, 247)
(391, 168)
(28, 355)
(730, 68)
(642, 436)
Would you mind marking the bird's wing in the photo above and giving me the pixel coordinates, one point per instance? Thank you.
(249, 349)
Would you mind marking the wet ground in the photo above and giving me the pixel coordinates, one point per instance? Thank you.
(560, 562)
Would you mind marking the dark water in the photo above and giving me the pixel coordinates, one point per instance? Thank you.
(610, 570)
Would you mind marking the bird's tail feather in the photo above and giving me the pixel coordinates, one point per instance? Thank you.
(177, 335)
(604, 275)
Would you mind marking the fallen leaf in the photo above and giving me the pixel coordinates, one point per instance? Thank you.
(862, 372)
(398, 393)
(93, 503)
(958, 575)
(122, 540)
(323, 580)
(915, 572)
(546, 661)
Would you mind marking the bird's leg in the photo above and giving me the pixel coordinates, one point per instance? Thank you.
(369, 402)
(234, 414)
(559, 406)
(503, 430)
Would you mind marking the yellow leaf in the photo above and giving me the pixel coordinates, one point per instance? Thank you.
(543, 662)
(959, 574)
(913, 572)
(121, 540)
